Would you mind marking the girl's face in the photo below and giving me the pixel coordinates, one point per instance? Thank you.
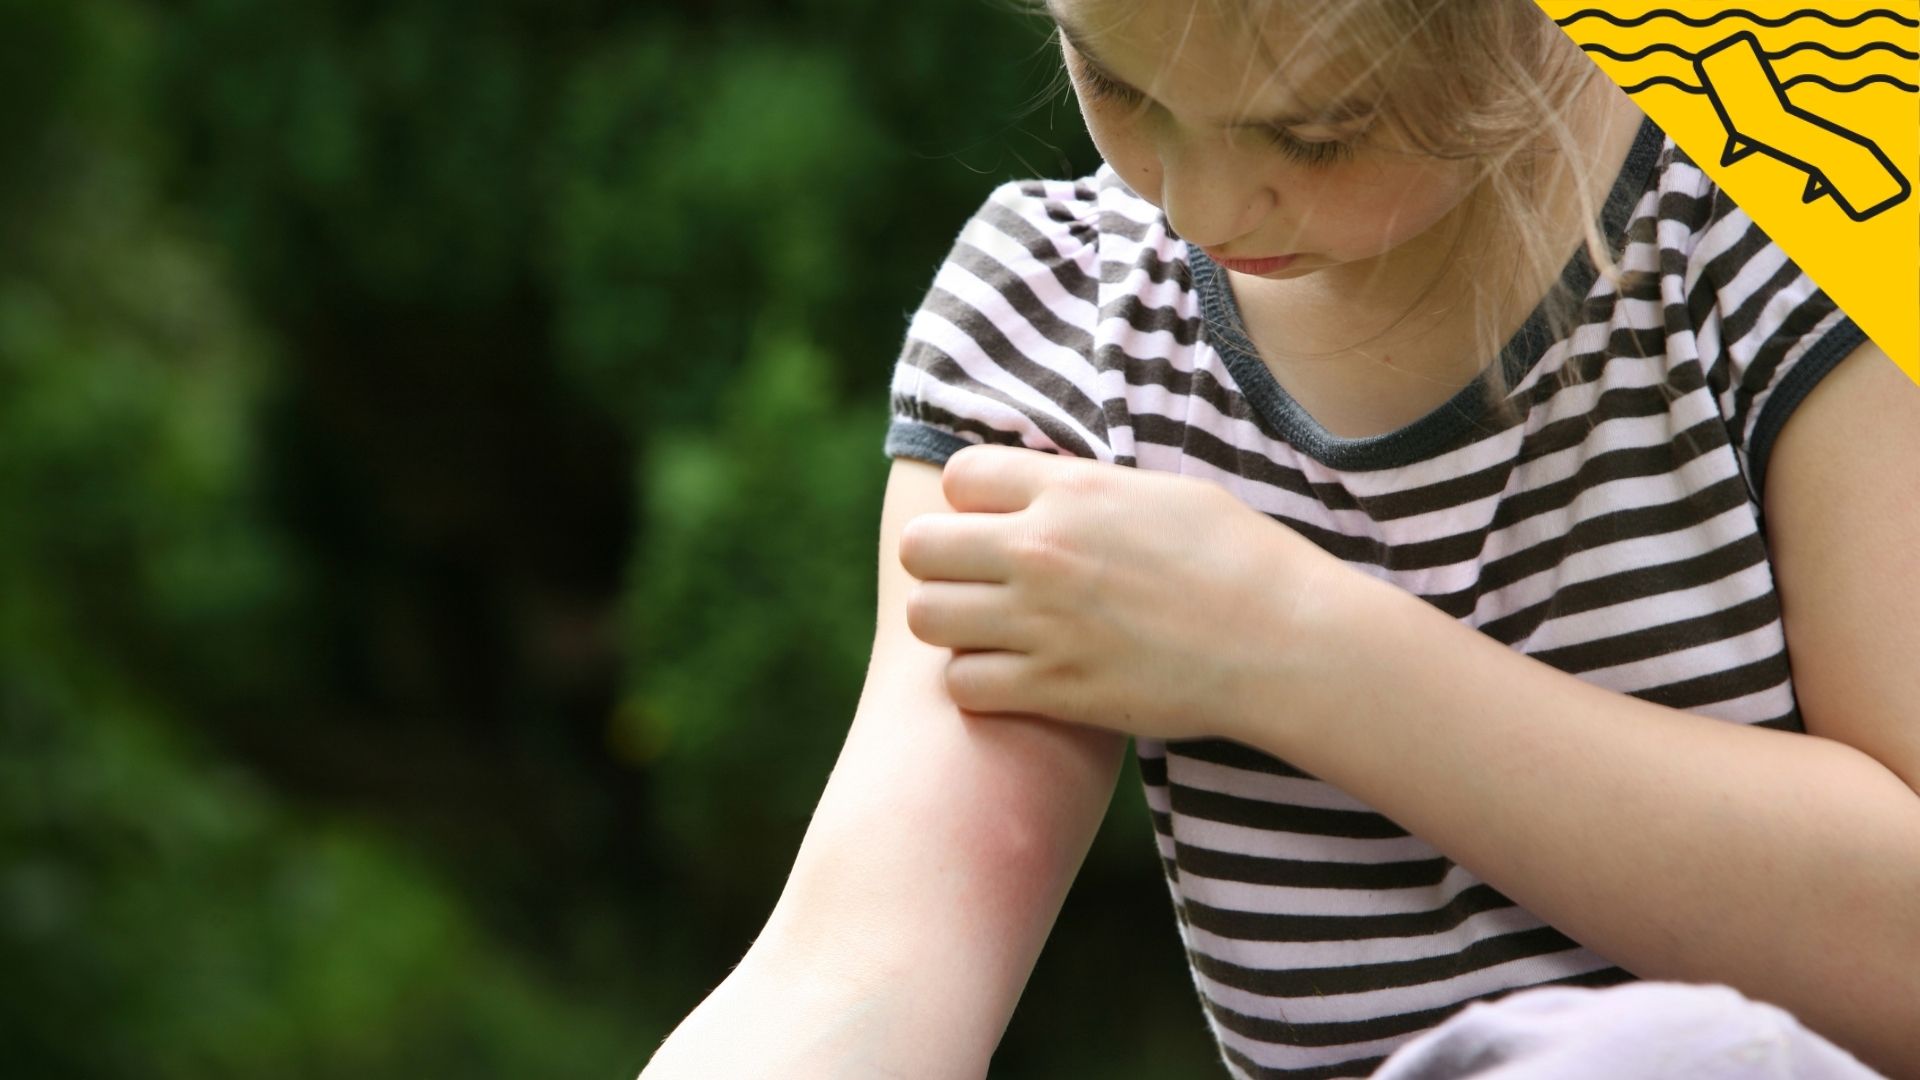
(1248, 162)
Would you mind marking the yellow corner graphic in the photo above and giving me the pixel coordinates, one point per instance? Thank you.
(1808, 118)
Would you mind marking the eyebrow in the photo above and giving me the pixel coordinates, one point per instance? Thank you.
(1338, 111)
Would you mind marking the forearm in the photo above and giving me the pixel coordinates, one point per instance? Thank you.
(952, 832)
(1679, 846)
(926, 886)
(761, 1022)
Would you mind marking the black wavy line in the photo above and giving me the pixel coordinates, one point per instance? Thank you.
(1665, 80)
(1888, 46)
(1690, 88)
(1721, 16)
(1888, 79)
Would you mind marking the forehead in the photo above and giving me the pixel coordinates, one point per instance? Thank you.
(1217, 55)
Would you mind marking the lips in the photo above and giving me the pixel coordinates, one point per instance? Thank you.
(1255, 266)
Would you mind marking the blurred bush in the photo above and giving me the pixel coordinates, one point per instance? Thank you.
(439, 472)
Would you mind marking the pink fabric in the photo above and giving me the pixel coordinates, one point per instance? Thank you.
(1638, 1031)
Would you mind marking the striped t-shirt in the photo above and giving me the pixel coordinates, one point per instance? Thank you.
(1611, 528)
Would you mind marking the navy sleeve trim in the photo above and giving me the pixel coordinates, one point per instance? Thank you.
(909, 438)
(1824, 356)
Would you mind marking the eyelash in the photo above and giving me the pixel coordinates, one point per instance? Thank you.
(1316, 154)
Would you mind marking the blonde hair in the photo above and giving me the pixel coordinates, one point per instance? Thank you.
(1489, 82)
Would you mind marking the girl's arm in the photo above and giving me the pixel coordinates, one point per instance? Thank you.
(928, 880)
(1680, 846)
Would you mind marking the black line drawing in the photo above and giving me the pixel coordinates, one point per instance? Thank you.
(1841, 164)
(1778, 54)
(1721, 16)
(1798, 80)
(1666, 80)
(1843, 88)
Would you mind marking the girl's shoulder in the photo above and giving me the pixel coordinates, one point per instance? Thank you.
(1087, 206)
(1078, 233)
(1738, 315)
(1051, 291)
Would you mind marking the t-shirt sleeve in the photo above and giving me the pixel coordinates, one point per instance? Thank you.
(1767, 334)
(1001, 348)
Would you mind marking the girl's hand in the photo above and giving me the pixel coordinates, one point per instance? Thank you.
(1145, 602)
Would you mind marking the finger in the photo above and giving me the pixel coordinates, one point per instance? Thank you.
(956, 547)
(965, 615)
(993, 682)
(993, 479)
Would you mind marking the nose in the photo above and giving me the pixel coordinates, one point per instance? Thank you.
(1209, 195)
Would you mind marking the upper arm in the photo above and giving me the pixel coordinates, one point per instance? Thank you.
(1842, 506)
(943, 846)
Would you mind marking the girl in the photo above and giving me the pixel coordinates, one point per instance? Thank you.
(1439, 473)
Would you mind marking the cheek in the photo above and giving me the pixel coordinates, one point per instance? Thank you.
(1130, 155)
(1366, 215)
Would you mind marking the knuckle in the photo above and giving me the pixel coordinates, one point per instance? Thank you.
(1084, 478)
(919, 611)
(963, 683)
(960, 465)
(1062, 671)
(1040, 549)
(912, 535)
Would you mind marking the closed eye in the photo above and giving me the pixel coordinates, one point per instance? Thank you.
(1100, 86)
(1097, 86)
(1314, 153)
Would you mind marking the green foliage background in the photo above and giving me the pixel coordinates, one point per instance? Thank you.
(439, 479)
